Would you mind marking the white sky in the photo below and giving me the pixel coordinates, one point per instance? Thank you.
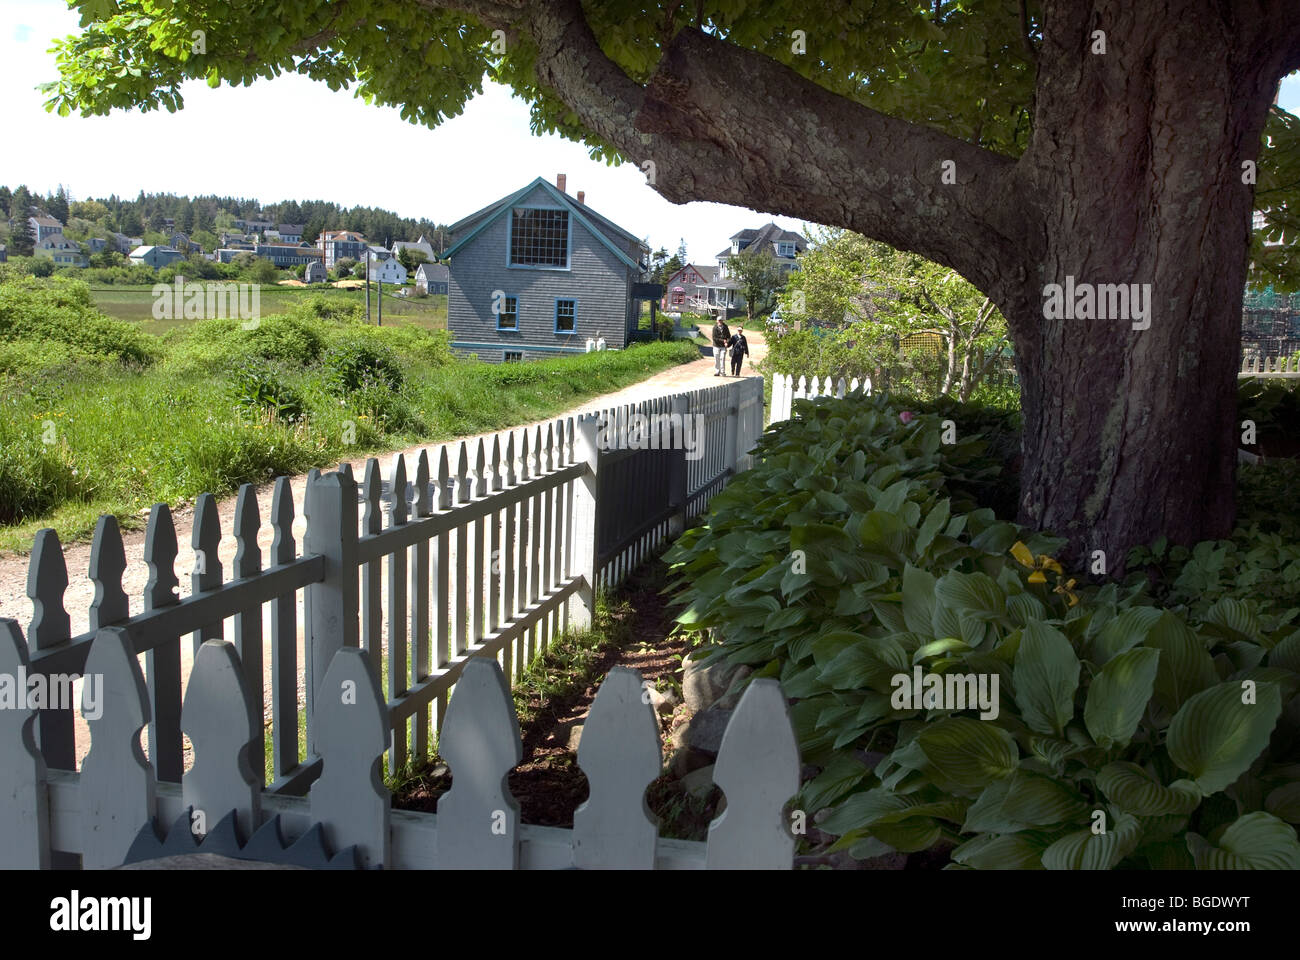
(259, 142)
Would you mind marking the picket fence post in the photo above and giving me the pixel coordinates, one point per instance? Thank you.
(585, 527)
(331, 603)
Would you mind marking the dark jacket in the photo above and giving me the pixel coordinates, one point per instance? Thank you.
(721, 335)
(739, 345)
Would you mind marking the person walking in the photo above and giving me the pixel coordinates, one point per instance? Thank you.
(739, 350)
(721, 339)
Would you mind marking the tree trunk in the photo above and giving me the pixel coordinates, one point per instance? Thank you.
(1137, 157)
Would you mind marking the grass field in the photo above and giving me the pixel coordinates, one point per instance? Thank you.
(98, 416)
(135, 304)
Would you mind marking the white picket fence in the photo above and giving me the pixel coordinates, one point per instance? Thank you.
(490, 560)
(1265, 368)
(786, 388)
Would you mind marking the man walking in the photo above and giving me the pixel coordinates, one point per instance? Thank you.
(721, 339)
(739, 350)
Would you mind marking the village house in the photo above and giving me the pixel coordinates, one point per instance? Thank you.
(722, 293)
(420, 246)
(340, 244)
(57, 247)
(388, 271)
(684, 286)
(43, 227)
(538, 273)
(431, 278)
(156, 257)
(315, 272)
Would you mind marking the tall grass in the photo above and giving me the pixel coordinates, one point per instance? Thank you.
(111, 420)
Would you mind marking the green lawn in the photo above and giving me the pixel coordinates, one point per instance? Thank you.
(135, 303)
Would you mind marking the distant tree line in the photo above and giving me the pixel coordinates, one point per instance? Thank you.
(148, 212)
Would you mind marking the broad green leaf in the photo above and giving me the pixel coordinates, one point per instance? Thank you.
(909, 836)
(968, 752)
(1233, 619)
(1085, 850)
(918, 598)
(1215, 737)
(938, 648)
(1041, 801)
(1119, 694)
(986, 814)
(1122, 633)
(1185, 667)
(1131, 788)
(934, 521)
(1286, 654)
(1256, 841)
(1046, 676)
(1011, 852)
(1284, 802)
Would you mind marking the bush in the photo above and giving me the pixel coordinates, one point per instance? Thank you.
(352, 364)
(261, 390)
(61, 310)
(854, 554)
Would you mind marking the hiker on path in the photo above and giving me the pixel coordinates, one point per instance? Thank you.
(721, 338)
(739, 350)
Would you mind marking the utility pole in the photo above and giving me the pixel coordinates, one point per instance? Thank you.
(381, 297)
(367, 284)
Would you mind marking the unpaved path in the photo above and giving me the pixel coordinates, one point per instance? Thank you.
(15, 604)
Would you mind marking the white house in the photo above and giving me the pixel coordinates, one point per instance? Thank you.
(431, 278)
(314, 272)
(389, 271)
(43, 227)
(422, 245)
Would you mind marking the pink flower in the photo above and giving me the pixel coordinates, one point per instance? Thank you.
(907, 416)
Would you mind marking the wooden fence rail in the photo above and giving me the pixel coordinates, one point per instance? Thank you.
(486, 550)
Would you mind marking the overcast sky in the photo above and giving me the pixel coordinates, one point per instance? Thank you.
(290, 138)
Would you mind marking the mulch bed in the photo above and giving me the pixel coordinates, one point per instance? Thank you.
(548, 784)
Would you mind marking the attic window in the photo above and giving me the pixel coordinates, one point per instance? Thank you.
(785, 249)
(539, 238)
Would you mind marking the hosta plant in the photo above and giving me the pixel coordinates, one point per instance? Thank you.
(1125, 735)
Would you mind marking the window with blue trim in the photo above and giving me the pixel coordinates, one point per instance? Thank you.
(507, 313)
(566, 316)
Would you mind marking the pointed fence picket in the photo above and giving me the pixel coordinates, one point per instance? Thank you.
(1270, 368)
(115, 811)
(787, 388)
(490, 552)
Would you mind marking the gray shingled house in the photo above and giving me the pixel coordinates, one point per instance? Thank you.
(538, 273)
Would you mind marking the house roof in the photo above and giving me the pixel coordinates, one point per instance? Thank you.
(46, 221)
(293, 229)
(432, 271)
(579, 211)
(768, 233)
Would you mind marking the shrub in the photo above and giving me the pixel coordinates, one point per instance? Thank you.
(354, 363)
(261, 390)
(61, 311)
(853, 555)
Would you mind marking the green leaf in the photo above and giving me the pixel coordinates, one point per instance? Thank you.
(969, 752)
(986, 814)
(1185, 667)
(1284, 802)
(1118, 696)
(918, 599)
(909, 836)
(974, 594)
(1123, 632)
(1012, 852)
(1046, 676)
(1041, 801)
(1234, 619)
(1131, 788)
(934, 521)
(1256, 841)
(1215, 737)
(1084, 850)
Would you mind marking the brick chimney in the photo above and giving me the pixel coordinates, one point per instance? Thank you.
(560, 180)
(582, 196)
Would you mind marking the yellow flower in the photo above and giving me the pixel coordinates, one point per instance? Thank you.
(1067, 589)
(1025, 557)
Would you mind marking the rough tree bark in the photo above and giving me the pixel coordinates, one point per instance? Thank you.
(1133, 175)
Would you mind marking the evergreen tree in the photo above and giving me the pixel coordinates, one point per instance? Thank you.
(58, 205)
(21, 238)
(6, 197)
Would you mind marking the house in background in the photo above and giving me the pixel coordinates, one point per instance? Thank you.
(4, 253)
(124, 244)
(287, 233)
(388, 271)
(378, 254)
(431, 278)
(96, 244)
(315, 272)
(539, 272)
(340, 244)
(184, 244)
(722, 293)
(43, 227)
(156, 257)
(684, 285)
(422, 246)
(57, 247)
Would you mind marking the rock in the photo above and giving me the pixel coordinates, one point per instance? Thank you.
(575, 738)
(685, 760)
(703, 685)
(704, 733)
(699, 783)
(735, 690)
